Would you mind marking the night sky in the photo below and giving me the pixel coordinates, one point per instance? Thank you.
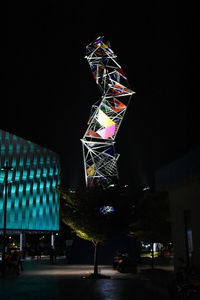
(47, 88)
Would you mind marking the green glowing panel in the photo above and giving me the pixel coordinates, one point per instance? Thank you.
(33, 203)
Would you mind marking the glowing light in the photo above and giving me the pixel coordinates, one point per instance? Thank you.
(107, 209)
(146, 188)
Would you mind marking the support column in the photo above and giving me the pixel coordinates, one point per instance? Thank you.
(53, 240)
(22, 241)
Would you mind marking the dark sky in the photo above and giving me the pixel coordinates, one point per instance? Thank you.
(47, 88)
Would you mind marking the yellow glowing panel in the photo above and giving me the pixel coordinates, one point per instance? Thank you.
(90, 171)
(104, 120)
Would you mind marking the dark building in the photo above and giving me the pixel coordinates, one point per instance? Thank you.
(181, 179)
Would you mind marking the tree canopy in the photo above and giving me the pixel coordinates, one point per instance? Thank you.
(153, 218)
(96, 215)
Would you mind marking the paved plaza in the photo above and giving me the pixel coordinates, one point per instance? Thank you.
(41, 280)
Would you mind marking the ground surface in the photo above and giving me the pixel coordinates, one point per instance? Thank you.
(41, 280)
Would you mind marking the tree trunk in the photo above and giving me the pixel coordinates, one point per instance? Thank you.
(152, 254)
(95, 259)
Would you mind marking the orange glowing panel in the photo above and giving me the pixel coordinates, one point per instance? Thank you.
(119, 106)
(90, 171)
(120, 89)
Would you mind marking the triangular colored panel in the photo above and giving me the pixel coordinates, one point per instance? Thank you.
(104, 120)
(119, 89)
(121, 72)
(92, 133)
(107, 132)
(118, 105)
(110, 151)
(111, 130)
(102, 133)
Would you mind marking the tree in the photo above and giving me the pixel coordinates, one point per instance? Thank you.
(153, 219)
(96, 215)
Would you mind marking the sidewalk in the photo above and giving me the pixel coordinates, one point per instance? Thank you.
(40, 280)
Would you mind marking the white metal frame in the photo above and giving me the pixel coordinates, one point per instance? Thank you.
(100, 159)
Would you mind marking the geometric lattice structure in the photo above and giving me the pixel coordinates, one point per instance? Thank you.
(100, 159)
(33, 202)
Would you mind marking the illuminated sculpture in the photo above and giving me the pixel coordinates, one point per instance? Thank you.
(100, 159)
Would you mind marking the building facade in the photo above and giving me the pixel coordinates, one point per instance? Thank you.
(32, 199)
(181, 179)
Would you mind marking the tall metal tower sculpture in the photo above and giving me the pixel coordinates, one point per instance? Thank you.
(100, 159)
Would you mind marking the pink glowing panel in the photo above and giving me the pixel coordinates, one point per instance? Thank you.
(107, 132)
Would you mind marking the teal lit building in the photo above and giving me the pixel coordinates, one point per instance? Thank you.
(32, 199)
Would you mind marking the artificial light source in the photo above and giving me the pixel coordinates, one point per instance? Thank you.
(106, 209)
(72, 190)
(112, 185)
(6, 169)
(146, 188)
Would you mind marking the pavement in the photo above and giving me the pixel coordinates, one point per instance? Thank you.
(41, 280)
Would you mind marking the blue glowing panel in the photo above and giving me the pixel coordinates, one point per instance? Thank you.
(33, 202)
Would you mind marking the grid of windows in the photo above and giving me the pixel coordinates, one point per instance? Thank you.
(33, 202)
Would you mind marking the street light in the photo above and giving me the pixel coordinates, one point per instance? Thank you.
(6, 169)
(146, 188)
